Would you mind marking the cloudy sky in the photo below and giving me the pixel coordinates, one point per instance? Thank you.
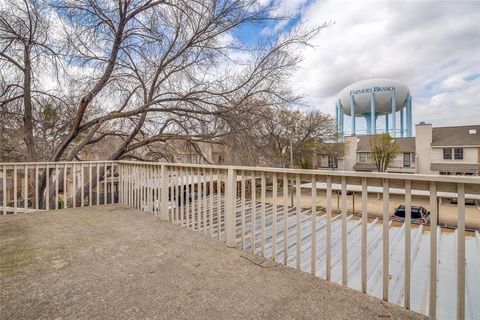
(431, 46)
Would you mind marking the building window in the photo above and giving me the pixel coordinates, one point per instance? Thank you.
(458, 153)
(447, 154)
(364, 157)
(406, 160)
(332, 162)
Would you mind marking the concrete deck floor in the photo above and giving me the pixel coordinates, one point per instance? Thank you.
(116, 263)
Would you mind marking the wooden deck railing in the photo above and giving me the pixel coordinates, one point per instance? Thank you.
(293, 225)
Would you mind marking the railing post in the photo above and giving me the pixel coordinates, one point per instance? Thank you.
(461, 251)
(230, 214)
(164, 193)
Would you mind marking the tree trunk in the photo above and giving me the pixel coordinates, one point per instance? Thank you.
(27, 103)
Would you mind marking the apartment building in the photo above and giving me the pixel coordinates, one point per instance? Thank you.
(441, 150)
(448, 150)
(202, 153)
(358, 155)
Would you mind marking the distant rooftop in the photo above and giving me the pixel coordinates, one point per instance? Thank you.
(407, 144)
(456, 136)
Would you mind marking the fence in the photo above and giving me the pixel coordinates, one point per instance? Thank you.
(287, 215)
(43, 186)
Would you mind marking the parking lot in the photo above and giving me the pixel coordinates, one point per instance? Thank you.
(447, 211)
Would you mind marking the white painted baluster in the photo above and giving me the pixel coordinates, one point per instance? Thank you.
(191, 203)
(156, 189)
(37, 204)
(178, 194)
(15, 209)
(149, 188)
(219, 204)
(133, 183)
(386, 241)
(242, 203)
(4, 191)
(134, 186)
(201, 195)
(182, 196)
(82, 186)
(47, 187)
(105, 184)
(285, 218)
(461, 252)
(174, 194)
(262, 213)
(364, 235)
(74, 186)
(90, 181)
(138, 194)
(254, 213)
(298, 196)
(56, 186)
(313, 254)
(145, 198)
(230, 212)
(328, 238)
(98, 184)
(192, 198)
(121, 196)
(25, 189)
(204, 200)
(164, 192)
(344, 232)
(112, 175)
(152, 188)
(211, 203)
(65, 198)
(198, 201)
(408, 248)
(143, 193)
(130, 186)
(141, 187)
(274, 217)
(432, 309)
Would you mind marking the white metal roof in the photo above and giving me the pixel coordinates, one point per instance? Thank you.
(446, 290)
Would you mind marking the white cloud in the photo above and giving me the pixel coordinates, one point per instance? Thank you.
(433, 47)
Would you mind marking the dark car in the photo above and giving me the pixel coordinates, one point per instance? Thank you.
(420, 215)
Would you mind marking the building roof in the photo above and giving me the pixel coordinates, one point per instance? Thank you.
(337, 148)
(456, 136)
(406, 144)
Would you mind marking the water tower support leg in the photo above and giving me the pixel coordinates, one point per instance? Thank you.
(394, 110)
(373, 129)
(402, 126)
(386, 124)
(337, 122)
(352, 113)
(409, 116)
(341, 119)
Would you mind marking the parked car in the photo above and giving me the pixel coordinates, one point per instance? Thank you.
(420, 215)
(468, 202)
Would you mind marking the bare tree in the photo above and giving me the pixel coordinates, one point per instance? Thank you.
(272, 132)
(145, 73)
(384, 149)
(24, 47)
